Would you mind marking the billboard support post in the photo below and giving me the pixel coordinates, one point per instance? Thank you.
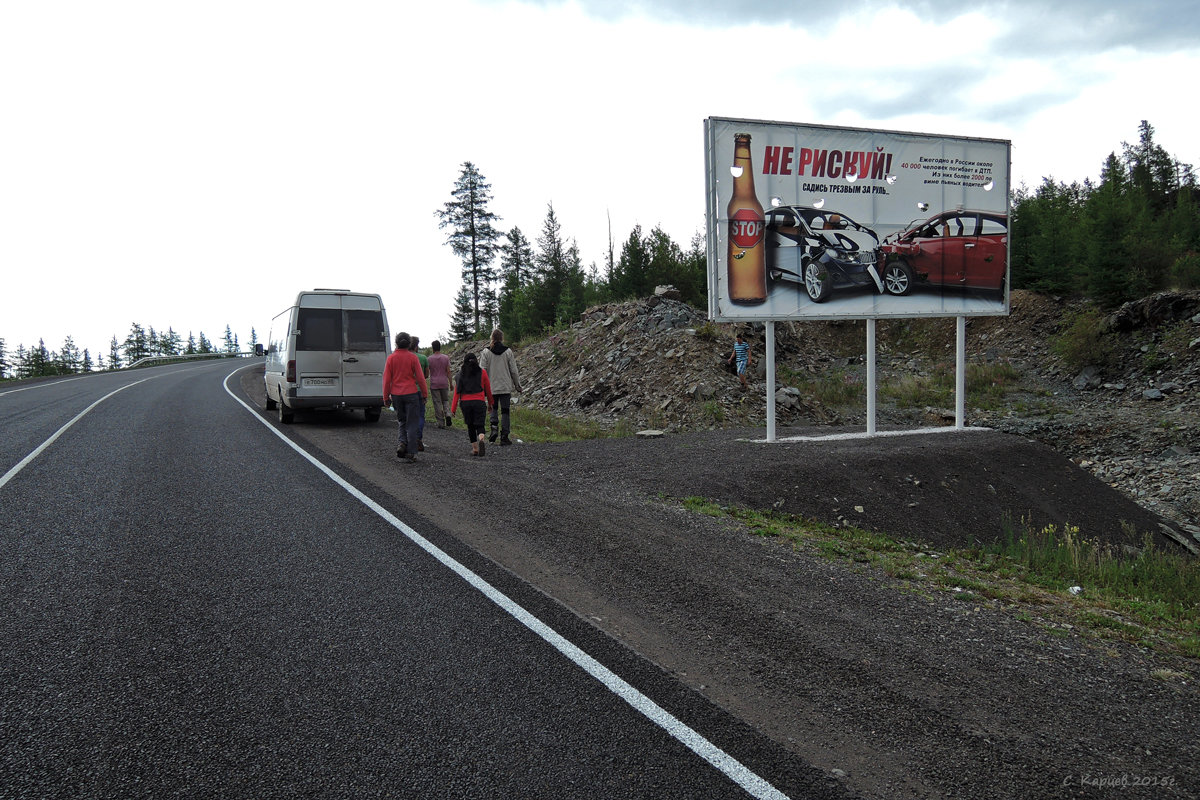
(960, 370)
(770, 381)
(870, 375)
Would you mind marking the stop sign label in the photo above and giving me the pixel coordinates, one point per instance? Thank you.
(746, 228)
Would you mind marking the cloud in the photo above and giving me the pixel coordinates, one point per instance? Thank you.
(1037, 27)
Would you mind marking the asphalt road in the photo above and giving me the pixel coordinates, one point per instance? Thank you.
(194, 606)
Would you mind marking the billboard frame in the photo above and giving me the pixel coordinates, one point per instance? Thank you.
(879, 199)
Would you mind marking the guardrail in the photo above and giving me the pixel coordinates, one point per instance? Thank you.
(150, 360)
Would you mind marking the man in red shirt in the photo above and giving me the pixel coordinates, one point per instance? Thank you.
(405, 389)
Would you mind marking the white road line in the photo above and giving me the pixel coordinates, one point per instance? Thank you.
(43, 383)
(731, 767)
(24, 461)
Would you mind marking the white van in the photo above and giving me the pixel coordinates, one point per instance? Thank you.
(328, 350)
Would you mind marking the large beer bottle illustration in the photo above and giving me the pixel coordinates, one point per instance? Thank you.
(746, 261)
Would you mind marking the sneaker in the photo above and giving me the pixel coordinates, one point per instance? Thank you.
(482, 445)
(420, 446)
(401, 451)
(492, 438)
(412, 458)
(449, 422)
(505, 441)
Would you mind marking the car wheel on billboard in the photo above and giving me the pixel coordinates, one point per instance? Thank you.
(897, 278)
(817, 281)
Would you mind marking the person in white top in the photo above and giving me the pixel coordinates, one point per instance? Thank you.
(501, 366)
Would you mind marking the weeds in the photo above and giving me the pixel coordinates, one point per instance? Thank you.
(1142, 595)
(1084, 341)
(532, 425)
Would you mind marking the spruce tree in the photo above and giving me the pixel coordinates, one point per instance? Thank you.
(70, 360)
(462, 325)
(4, 367)
(516, 270)
(549, 275)
(170, 344)
(114, 354)
(136, 344)
(1108, 214)
(472, 237)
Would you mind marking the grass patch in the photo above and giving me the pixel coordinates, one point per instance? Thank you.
(533, 425)
(1085, 342)
(987, 386)
(1142, 595)
(838, 387)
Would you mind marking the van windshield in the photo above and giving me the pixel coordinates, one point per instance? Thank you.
(364, 330)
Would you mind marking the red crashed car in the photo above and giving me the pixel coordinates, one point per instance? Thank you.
(954, 248)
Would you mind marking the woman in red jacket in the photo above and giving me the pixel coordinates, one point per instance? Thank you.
(471, 389)
(404, 388)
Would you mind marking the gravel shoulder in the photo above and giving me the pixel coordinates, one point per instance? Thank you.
(895, 693)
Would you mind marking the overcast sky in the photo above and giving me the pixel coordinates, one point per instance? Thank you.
(195, 164)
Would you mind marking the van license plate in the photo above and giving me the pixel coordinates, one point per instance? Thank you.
(319, 381)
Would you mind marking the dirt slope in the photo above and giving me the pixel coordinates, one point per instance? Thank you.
(658, 363)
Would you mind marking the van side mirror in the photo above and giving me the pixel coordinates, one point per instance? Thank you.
(259, 350)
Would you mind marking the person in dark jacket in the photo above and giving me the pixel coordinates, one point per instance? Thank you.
(471, 390)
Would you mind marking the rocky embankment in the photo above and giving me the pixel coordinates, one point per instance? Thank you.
(1133, 422)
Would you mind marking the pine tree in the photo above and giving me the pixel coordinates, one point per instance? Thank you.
(114, 354)
(170, 344)
(1108, 214)
(230, 347)
(631, 275)
(472, 237)
(70, 360)
(4, 366)
(86, 365)
(516, 269)
(20, 368)
(136, 344)
(546, 289)
(462, 326)
(191, 345)
(38, 361)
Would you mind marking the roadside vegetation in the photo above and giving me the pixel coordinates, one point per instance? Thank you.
(1056, 579)
(533, 425)
(987, 386)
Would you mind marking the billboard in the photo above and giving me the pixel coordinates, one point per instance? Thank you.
(822, 222)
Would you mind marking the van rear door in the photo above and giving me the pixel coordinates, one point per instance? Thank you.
(319, 346)
(365, 351)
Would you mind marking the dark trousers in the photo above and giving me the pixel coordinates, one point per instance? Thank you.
(500, 414)
(475, 415)
(421, 423)
(408, 416)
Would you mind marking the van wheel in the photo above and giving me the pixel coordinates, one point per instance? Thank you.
(372, 414)
(286, 415)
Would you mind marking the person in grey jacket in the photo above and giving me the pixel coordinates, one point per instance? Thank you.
(501, 365)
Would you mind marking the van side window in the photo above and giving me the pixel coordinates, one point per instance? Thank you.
(364, 330)
(320, 329)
